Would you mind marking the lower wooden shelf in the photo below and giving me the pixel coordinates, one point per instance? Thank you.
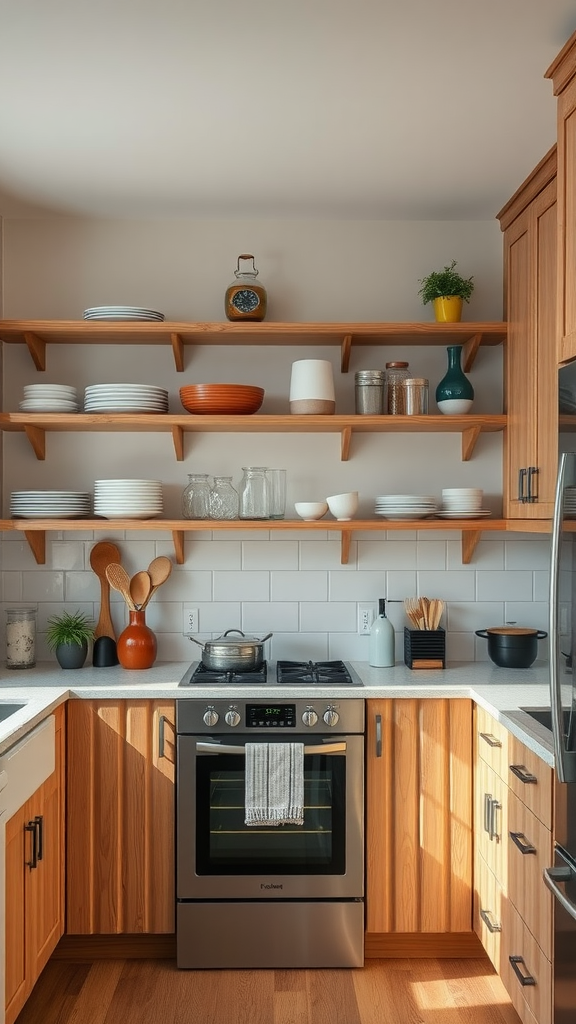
(471, 531)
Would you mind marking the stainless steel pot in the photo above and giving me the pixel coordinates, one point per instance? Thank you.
(512, 647)
(240, 653)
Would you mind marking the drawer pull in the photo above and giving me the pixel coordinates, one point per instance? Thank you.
(492, 926)
(521, 772)
(487, 811)
(491, 740)
(378, 735)
(493, 831)
(523, 844)
(32, 827)
(524, 979)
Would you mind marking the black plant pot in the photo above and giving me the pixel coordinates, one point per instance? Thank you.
(71, 655)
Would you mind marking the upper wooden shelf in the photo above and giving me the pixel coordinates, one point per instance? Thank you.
(36, 334)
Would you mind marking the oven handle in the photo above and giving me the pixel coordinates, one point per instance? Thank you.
(225, 748)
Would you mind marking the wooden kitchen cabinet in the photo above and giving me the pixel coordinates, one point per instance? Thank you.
(35, 883)
(531, 441)
(120, 817)
(419, 826)
(513, 842)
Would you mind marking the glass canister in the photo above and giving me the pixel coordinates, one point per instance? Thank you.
(396, 374)
(196, 497)
(20, 637)
(370, 392)
(254, 493)
(245, 299)
(224, 500)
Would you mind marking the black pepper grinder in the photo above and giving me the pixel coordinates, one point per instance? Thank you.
(245, 299)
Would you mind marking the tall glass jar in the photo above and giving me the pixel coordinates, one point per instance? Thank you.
(20, 637)
(396, 374)
(224, 500)
(196, 497)
(253, 493)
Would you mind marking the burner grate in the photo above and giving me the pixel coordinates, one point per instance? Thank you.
(255, 676)
(315, 673)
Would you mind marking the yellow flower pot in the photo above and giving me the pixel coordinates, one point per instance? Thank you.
(448, 309)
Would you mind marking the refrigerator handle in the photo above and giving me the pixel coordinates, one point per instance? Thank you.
(562, 773)
(551, 877)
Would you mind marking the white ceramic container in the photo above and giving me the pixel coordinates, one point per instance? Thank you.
(312, 387)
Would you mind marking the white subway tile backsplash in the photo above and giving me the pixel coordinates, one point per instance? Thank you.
(449, 585)
(241, 586)
(259, 618)
(541, 581)
(43, 586)
(334, 616)
(299, 586)
(11, 586)
(215, 554)
(535, 553)
(277, 554)
(217, 616)
(187, 586)
(299, 646)
(81, 586)
(362, 586)
(400, 585)
(327, 555)
(67, 555)
(392, 554)
(532, 613)
(489, 554)
(431, 554)
(16, 554)
(509, 585)
(467, 616)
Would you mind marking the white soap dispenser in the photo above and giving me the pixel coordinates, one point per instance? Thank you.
(382, 641)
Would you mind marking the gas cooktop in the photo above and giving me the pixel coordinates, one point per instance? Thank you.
(278, 673)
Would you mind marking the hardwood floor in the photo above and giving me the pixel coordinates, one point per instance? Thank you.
(155, 992)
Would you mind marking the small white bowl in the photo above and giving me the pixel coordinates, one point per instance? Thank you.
(310, 510)
(343, 506)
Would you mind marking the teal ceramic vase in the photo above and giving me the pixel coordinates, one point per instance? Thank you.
(454, 394)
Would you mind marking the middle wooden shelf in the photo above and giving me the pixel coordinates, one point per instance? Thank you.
(37, 425)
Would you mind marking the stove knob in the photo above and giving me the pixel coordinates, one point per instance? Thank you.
(232, 717)
(309, 717)
(331, 717)
(210, 717)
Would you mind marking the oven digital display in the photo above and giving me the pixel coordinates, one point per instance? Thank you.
(278, 716)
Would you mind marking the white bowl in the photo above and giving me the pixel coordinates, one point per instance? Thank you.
(343, 506)
(470, 492)
(310, 510)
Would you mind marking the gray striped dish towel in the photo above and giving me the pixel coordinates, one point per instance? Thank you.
(274, 784)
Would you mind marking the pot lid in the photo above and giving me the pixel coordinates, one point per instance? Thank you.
(512, 631)
(235, 638)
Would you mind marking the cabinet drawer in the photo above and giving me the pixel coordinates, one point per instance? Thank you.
(530, 850)
(525, 971)
(487, 910)
(492, 742)
(530, 779)
(491, 817)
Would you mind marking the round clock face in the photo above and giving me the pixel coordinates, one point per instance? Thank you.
(245, 300)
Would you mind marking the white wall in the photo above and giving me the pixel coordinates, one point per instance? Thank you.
(293, 583)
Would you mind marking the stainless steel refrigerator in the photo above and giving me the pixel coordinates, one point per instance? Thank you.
(561, 877)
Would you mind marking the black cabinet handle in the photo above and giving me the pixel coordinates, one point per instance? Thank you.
(521, 772)
(521, 485)
(491, 740)
(32, 827)
(378, 735)
(524, 979)
(161, 727)
(531, 496)
(492, 926)
(39, 823)
(523, 844)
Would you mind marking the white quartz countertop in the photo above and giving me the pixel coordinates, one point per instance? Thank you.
(44, 687)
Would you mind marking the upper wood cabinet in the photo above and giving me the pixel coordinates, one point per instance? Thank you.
(120, 817)
(562, 72)
(531, 442)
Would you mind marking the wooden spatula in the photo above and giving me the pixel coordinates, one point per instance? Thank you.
(140, 586)
(158, 571)
(101, 556)
(119, 579)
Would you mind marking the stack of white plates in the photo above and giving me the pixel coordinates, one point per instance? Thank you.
(465, 513)
(406, 506)
(128, 499)
(125, 398)
(570, 502)
(121, 313)
(49, 398)
(50, 504)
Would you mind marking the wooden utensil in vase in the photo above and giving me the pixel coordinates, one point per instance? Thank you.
(140, 586)
(119, 579)
(101, 556)
(158, 571)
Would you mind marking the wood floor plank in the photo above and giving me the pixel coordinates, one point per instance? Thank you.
(97, 992)
(55, 994)
(384, 995)
(332, 998)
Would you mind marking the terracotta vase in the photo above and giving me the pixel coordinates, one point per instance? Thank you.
(136, 646)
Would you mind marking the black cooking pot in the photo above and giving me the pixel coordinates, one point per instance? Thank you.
(511, 646)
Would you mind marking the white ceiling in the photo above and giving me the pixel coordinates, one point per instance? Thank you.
(414, 109)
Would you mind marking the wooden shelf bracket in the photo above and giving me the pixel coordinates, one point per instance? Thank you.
(345, 351)
(178, 541)
(37, 541)
(37, 349)
(470, 540)
(178, 439)
(346, 538)
(345, 440)
(470, 436)
(178, 350)
(470, 350)
(37, 438)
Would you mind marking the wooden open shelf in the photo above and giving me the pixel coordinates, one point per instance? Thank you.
(471, 531)
(37, 425)
(37, 334)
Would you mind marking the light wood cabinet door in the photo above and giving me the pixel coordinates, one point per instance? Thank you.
(120, 817)
(531, 440)
(530, 850)
(34, 883)
(419, 816)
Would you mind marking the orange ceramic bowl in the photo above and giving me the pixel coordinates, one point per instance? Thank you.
(221, 399)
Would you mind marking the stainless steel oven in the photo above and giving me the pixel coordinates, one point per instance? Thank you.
(269, 896)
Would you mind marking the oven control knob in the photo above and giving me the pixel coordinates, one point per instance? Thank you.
(309, 717)
(210, 717)
(232, 717)
(331, 717)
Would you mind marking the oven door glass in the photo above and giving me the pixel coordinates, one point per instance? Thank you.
(226, 845)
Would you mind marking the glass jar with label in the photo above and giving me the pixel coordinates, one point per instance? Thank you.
(224, 500)
(396, 374)
(20, 637)
(245, 299)
(196, 497)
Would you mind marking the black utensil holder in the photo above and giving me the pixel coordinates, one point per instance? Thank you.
(425, 648)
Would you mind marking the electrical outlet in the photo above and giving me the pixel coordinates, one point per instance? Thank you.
(189, 619)
(365, 618)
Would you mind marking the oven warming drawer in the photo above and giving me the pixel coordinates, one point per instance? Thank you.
(295, 934)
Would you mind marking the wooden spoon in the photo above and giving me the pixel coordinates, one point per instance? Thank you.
(158, 571)
(119, 579)
(101, 555)
(140, 586)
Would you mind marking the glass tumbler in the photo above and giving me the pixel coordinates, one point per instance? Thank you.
(224, 500)
(254, 493)
(196, 497)
(20, 637)
(276, 493)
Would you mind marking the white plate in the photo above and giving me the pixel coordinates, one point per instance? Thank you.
(478, 514)
(130, 515)
(401, 517)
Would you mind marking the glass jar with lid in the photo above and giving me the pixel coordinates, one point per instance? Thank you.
(20, 637)
(224, 500)
(254, 493)
(396, 374)
(196, 497)
(245, 298)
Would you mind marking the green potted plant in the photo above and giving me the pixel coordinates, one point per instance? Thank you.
(446, 289)
(68, 636)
